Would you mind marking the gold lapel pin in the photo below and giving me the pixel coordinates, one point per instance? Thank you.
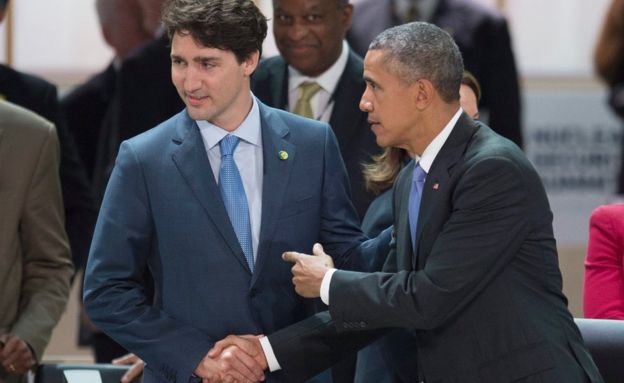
(283, 155)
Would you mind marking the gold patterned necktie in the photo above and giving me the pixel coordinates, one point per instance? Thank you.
(303, 106)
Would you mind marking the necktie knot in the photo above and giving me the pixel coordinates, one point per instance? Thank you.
(419, 174)
(228, 145)
(303, 106)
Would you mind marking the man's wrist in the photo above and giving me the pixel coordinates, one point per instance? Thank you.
(269, 354)
(325, 285)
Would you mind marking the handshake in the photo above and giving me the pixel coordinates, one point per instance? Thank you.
(236, 358)
(240, 358)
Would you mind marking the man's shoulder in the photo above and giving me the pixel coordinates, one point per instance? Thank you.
(174, 128)
(97, 88)
(268, 74)
(18, 121)
(19, 86)
(271, 65)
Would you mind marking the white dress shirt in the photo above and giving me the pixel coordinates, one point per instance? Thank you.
(248, 158)
(322, 102)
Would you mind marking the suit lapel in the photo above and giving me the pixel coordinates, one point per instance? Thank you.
(346, 114)
(438, 181)
(192, 161)
(276, 178)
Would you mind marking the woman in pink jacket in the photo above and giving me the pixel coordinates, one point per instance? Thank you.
(604, 265)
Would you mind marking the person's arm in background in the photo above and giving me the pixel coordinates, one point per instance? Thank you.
(603, 294)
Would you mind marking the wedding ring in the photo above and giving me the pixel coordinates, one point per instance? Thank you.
(12, 367)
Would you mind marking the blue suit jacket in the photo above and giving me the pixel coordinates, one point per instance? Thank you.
(163, 215)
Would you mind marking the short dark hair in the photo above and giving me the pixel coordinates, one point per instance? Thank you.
(421, 50)
(4, 4)
(233, 25)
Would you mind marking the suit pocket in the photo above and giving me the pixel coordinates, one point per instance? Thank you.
(518, 364)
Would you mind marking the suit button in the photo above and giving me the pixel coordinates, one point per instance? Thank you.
(253, 292)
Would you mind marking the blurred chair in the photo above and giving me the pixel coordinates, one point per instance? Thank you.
(81, 373)
(605, 340)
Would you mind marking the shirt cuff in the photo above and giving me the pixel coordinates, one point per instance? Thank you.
(325, 286)
(269, 355)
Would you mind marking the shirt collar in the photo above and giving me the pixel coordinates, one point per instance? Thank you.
(431, 151)
(328, 80)
(248, 131)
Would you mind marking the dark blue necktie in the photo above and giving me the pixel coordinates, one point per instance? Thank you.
(418, 181)
(233, 194)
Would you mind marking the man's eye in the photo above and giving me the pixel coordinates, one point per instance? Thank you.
(313, 18)
(283, 19)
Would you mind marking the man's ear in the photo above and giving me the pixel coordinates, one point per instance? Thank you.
(423, 93)
(251, 63)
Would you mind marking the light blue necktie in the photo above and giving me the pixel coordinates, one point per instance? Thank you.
(233, 194)
(418, 182)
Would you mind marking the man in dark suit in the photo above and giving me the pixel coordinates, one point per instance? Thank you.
(39, 96)
(310, 37)
(144, 95)
(472, 273)
(170, 208)
(482, 36)
(85, 107)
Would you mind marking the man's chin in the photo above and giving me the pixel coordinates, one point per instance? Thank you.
(196, 114)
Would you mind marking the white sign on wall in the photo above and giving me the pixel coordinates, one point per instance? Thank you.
(575, 143)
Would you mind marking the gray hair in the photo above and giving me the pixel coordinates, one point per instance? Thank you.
(421, 50)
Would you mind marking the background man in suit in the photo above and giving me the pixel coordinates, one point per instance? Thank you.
(482, 36)
(310, 34)
(35, 261)
(87, 107)
(144, 95)
(472, 272)
(209, 225)
(40, 96)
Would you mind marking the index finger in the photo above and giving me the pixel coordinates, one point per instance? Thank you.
(292, 256)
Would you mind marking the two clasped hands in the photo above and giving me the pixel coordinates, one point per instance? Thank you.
(240, 358)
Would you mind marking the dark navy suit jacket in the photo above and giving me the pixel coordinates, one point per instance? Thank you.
(481, 293)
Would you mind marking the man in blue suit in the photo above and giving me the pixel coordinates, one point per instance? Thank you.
(209, 226)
